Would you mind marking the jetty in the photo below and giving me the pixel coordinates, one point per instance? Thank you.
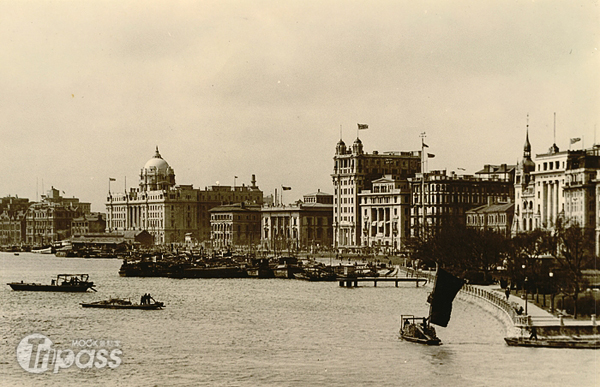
(353, 281)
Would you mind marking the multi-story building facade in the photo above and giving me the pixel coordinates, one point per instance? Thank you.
(549, 177)
(168, 211)
(385, 212)
(305, 225)
(235, 226)
(597, 219)
(50, 220)
(442, 200)
(558, 184)
(354, 171)
(13, 220)
(92, 223)
(580, 187)
(497, 217)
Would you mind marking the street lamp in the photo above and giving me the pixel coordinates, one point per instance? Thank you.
(525, 296)
(551, 275)
(525, 286)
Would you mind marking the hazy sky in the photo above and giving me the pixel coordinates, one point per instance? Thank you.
(225, 88)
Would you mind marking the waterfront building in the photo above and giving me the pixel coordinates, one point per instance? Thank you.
(526, 218)
(549, 179)
(385, 212)
(304, 225)
(92, 223)
(50, 219)
(494, 216)
(597, 218)
(354, 171)
(235, 226)
(13, 220)
(580, 186)
(170, 212)
(441, 200)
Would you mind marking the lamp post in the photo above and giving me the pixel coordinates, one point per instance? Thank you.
(551, 275)
(525, 286)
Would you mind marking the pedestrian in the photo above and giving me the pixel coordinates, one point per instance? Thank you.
(533, 335)
(507, 292)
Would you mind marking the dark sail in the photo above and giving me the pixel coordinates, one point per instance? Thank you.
(444, 290)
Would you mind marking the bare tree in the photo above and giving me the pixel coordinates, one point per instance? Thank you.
(574, 252)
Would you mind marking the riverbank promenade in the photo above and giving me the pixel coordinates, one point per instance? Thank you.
(495, 295)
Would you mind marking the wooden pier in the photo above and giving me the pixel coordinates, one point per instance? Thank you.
(350, 281)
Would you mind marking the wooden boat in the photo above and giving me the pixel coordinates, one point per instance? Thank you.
(120, 303)
(62, 283)
(43, 250)
(554, 342)
(419, 330)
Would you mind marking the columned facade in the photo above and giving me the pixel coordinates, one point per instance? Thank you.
(168, 211)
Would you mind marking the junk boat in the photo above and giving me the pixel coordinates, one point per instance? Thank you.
(62, 283)
(121, 303)
(419, 329)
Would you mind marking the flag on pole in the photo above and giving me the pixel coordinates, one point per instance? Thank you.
(362, 126)
(425, 145)
(430, 155)
(286, 188)
(575, 139)
(112, 179)
(235, 177)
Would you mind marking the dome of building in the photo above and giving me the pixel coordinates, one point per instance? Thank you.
(157, 162)
(341, 147)
(156, 174)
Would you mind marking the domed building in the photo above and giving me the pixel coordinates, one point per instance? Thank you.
(156, 174)
(171, 213)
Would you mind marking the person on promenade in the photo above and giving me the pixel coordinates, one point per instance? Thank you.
(507, 292)
(533, 335)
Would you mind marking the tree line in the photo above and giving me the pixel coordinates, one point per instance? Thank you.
(539, 261)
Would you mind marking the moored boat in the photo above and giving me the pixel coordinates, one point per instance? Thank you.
(62, 283)
(121, 303)
(554, 342)
(43, 250)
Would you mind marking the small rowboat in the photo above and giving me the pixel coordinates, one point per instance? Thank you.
(120, 303)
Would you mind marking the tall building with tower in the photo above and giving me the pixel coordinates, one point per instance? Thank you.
(354, 170)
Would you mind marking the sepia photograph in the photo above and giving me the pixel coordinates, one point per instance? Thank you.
(300, 193)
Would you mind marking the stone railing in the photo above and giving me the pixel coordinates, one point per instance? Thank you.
(498, 301)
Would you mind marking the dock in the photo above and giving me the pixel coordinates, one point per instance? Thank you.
(353, 281)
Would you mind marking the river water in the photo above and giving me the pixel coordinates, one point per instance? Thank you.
(255, 332)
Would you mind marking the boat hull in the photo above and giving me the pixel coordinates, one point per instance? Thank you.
(159, 305)
(553, 343)
(50, 288)
(430, 341)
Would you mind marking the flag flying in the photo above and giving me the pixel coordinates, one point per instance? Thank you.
(425, 145)
(574, 140)
(286, 188)
(430, 155)
(235, 177)
(362, 126)
(112, 179)
(444, 290)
